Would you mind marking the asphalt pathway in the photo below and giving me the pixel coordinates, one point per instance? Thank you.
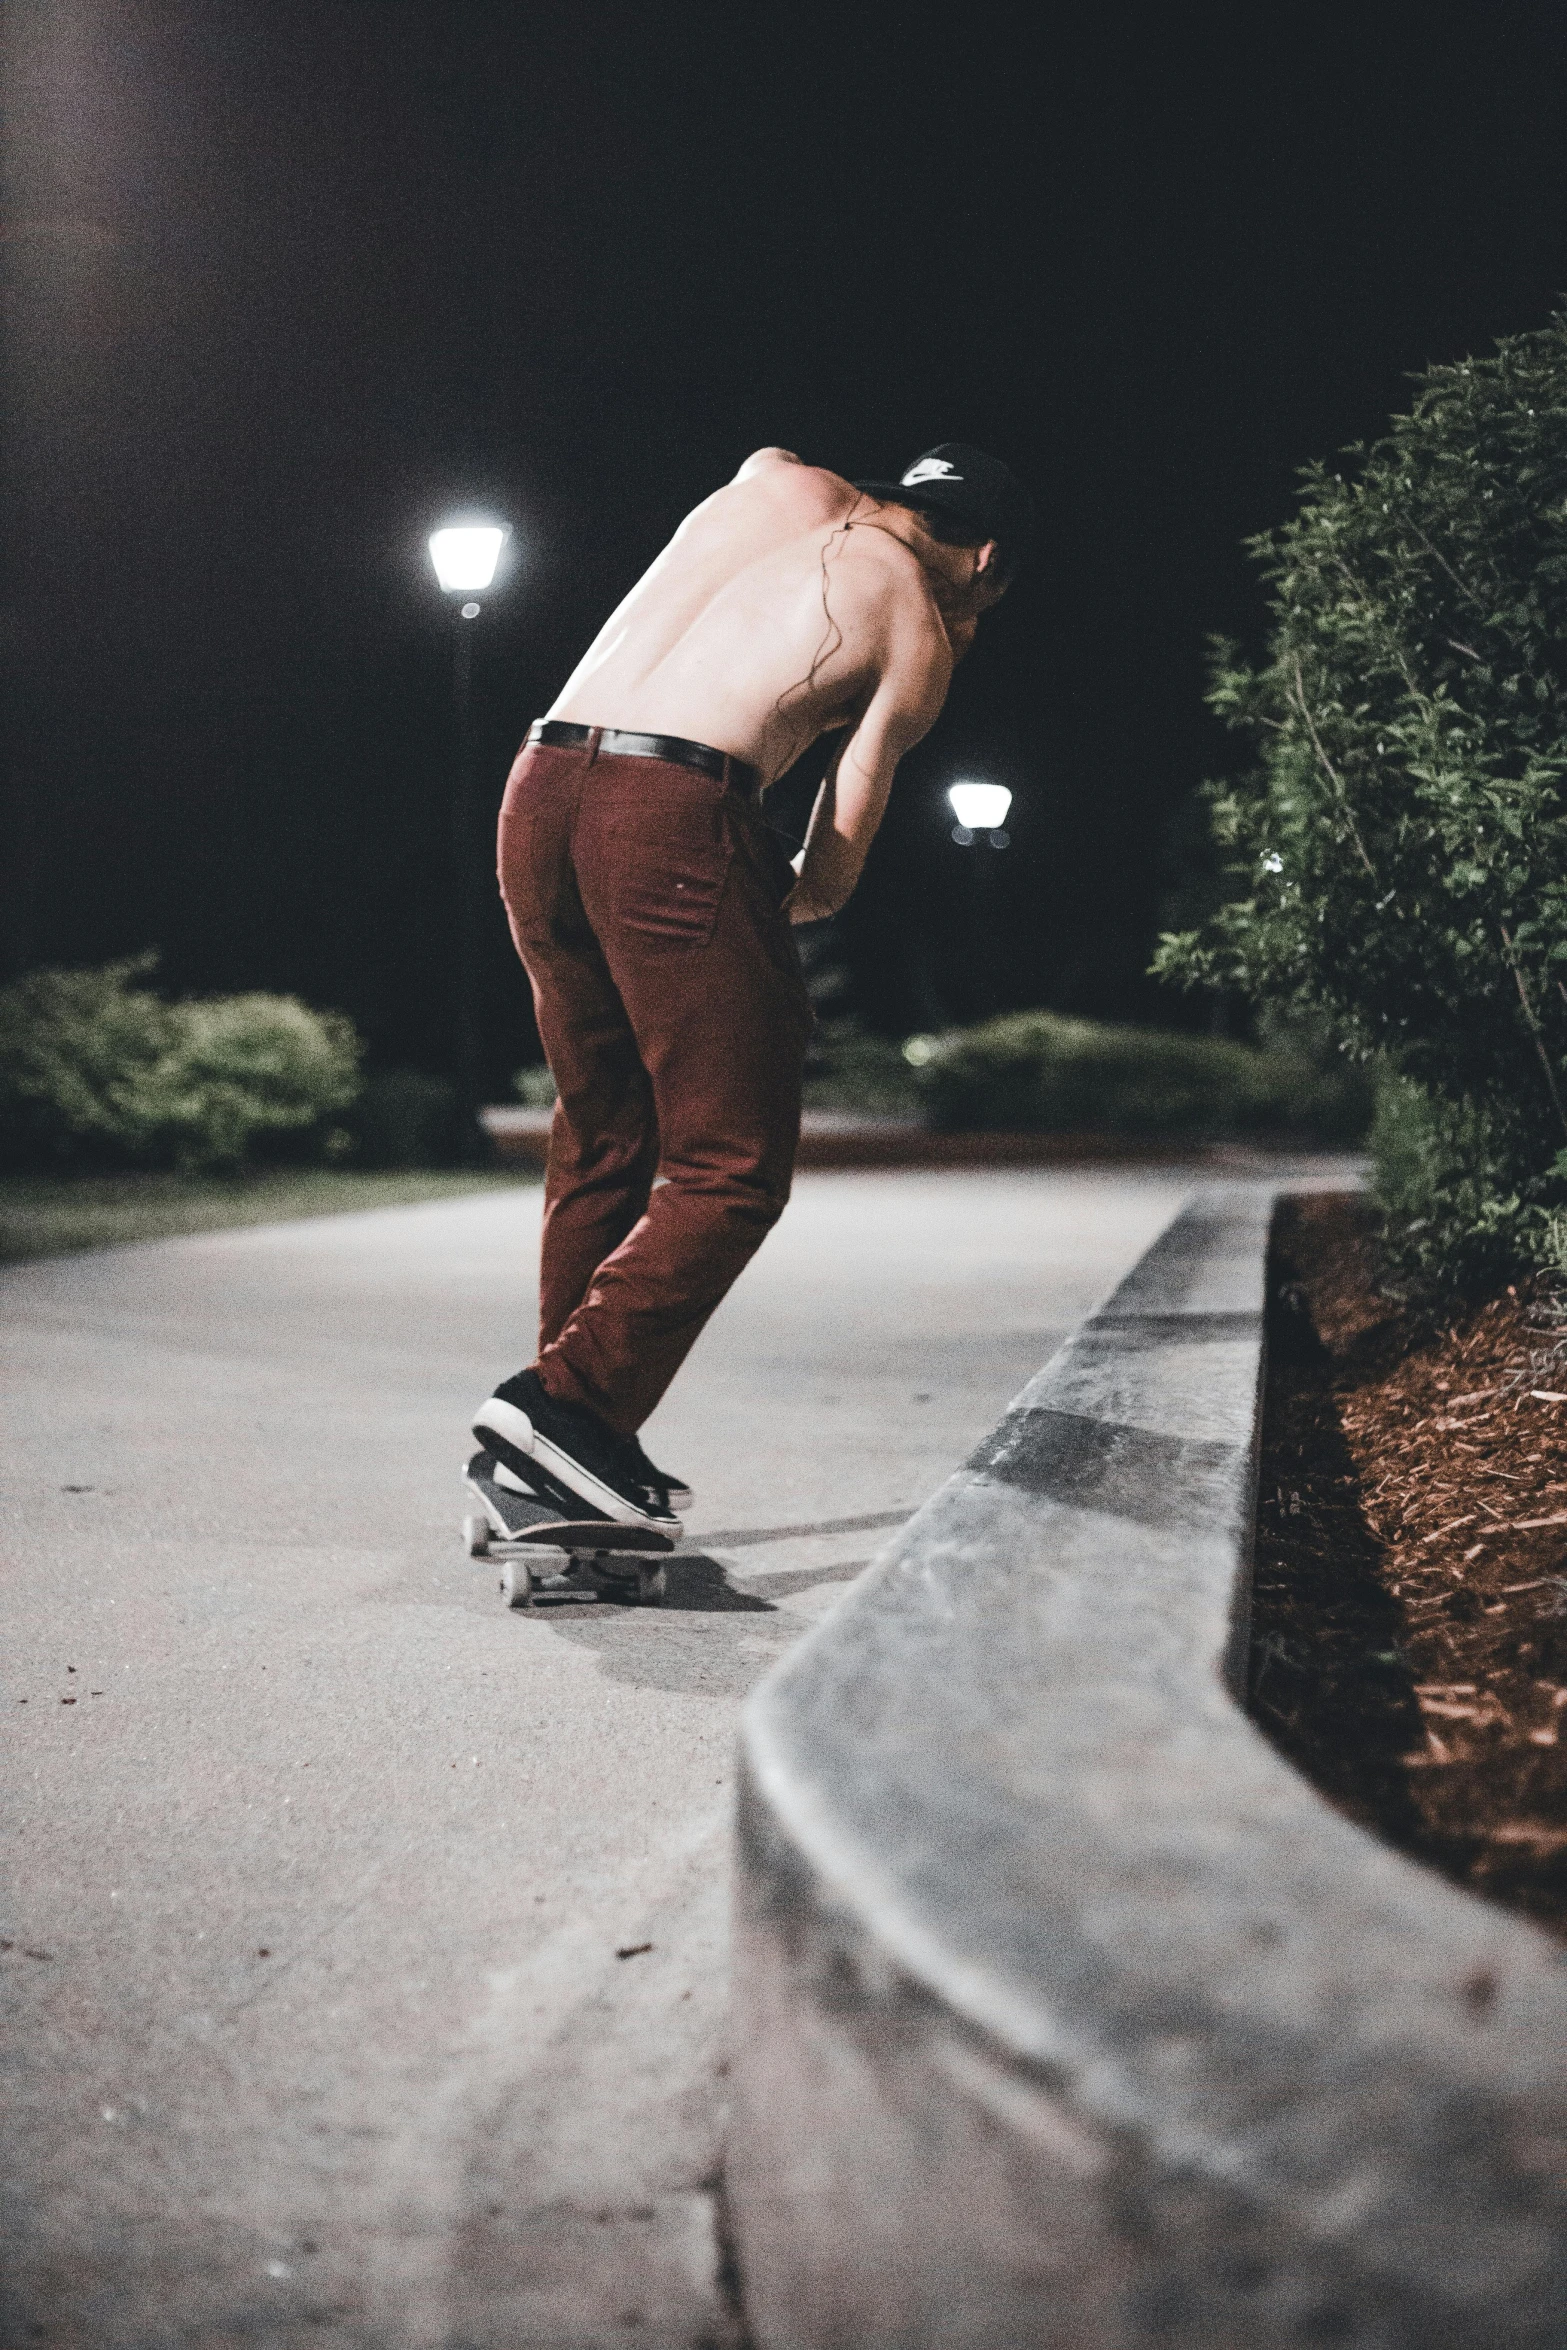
(362, 1941)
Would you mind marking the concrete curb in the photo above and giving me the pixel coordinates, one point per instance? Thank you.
(1066, 2013)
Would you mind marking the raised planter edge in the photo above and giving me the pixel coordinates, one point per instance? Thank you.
(1066, 2012)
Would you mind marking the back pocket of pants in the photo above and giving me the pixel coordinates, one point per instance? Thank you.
(666, 885)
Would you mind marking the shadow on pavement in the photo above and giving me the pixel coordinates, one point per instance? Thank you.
(696, 1581)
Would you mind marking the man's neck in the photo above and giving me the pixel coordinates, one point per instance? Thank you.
(944, 567)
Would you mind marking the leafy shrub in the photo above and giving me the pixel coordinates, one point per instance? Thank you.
(1036, 1072)
(96, 1070)
(1400, 849)
(1446, 1177)
(847, 1068)
(76, 1049)
(246, 1065)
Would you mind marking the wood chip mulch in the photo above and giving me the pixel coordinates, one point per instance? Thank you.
(1409, 1634)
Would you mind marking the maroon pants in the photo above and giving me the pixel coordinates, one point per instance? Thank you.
(645, 899)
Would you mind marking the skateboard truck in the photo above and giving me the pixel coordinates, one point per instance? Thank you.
(604, 1561)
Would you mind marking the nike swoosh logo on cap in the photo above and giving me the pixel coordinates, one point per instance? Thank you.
(930, 469)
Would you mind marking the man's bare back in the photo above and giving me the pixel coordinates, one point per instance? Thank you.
(787, 605)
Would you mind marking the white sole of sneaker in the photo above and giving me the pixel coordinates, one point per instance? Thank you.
(509, 1423)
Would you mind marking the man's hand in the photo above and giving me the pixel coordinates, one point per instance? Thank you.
(798, 906)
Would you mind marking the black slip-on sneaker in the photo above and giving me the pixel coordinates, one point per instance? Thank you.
(677, 1491)
(534, 1485)
(560, 1447)
(516, 1505)
(539, 1486)
(510, 1479)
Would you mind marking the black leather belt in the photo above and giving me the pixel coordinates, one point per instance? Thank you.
(614, 742)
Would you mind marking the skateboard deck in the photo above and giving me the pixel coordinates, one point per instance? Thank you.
(604, 1560)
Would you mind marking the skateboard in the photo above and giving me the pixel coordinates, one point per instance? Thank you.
(603, 1560)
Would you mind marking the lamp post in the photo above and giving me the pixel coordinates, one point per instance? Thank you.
(465, 556)
(981, 813)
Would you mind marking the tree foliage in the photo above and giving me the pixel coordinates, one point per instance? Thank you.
(1401, 844)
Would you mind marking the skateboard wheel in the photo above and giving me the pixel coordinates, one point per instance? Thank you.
(476, 1537)
(516, 1583)
(630, 1587)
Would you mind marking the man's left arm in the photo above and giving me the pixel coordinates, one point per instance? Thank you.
(854, 793)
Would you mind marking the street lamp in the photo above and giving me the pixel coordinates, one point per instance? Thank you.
(981, 812)
(465, 555)
(979, 808)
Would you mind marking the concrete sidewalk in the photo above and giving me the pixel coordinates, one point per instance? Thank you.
(319, 1861)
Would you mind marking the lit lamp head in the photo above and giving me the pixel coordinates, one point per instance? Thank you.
(979, 807)
(465, 556)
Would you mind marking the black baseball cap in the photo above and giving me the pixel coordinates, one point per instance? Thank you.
(967, 487)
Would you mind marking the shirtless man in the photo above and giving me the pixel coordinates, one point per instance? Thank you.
(651, 907)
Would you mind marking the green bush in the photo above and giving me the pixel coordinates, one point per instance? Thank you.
(76, 1049)
(247, 1065)
(95, 1070)
(1399, 852)
(1445, 1175)
(849, 1069)
(535, 1087)
(1036, 1072)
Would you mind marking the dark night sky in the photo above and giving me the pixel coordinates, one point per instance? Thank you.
(287, 279)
